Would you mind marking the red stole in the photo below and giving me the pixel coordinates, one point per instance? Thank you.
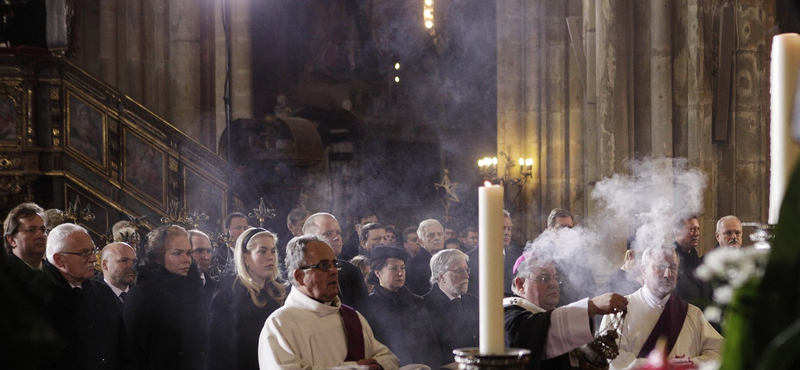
(353, 332)
(669, 325)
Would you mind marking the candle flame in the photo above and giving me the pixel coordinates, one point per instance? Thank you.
(487, 183)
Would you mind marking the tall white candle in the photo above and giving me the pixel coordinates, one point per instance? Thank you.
(784, 151)
(490, 252)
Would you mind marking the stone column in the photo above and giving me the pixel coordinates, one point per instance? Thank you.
(133, 49)
(154, 82)
(661, 77)
(108, 42)
(242, 63)
(613, 87)
(184, 66)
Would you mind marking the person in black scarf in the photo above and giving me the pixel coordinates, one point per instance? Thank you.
(164, 313)
(398, 317)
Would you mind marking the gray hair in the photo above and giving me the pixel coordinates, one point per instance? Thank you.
(651, 252)
(526, 268)
(558, 213)
(443, 259)
(506, 214)
(57, 239)
(424, 225)
(296, 253)
(312, 226)
(727, 218)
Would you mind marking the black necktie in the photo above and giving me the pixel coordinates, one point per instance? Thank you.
(122, 296)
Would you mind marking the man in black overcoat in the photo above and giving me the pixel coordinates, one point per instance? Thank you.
(453, 311)
(83, 311)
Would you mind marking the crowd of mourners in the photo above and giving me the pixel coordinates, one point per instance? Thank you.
(312, 298)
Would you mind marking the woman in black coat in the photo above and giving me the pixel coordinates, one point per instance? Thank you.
(244, 302)
(163, 313)
(398, 317)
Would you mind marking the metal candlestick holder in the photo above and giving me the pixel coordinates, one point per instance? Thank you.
(472, 359)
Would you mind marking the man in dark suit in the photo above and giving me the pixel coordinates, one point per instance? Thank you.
(201, 254)
(353, 289)
(453, 311)
(117, 262)
(418, 269)
(294, 225)
(84, 312)
(235, 224)
(689, 287)
(25, 235)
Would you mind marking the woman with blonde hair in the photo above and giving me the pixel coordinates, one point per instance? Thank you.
(245, 300)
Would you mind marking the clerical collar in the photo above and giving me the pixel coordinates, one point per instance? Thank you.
(203, 278)
(76, 286)
(651, 299)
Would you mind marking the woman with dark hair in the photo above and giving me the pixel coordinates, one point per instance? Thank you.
(163, 313)
(244, 301)
(398, 317)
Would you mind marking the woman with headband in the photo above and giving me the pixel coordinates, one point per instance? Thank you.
(244, 301)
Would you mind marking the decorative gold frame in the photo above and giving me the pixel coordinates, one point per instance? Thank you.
(70, 146)
(15, 92)
(126, 160)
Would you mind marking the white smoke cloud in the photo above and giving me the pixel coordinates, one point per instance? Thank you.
(644, 203)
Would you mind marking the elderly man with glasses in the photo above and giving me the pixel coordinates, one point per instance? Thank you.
(556, 336)
(83, 311)
(314, 329)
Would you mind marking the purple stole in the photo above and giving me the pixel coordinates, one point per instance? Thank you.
(353, 332)
(669, 325)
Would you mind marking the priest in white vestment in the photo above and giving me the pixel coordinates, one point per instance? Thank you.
(313, 330)
(653, 312)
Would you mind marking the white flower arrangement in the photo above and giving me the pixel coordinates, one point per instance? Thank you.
(728, 269)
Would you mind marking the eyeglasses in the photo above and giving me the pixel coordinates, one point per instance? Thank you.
(34, 230)
(323, 266)
(84, 253)
(673, 269)
(548, 279)
(461, 271)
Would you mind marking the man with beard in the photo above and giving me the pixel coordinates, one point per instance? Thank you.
(729, 232)
(351, 280)
(117, 262)
(418, 269)
(689, 286)
(654, 312)
(556, 336)
(453, 311)
(314, 329)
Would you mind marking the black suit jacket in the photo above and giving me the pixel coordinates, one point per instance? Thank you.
(352, 288)
(88, 321)
(418, 272)
(689, 287)
(455, 322)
